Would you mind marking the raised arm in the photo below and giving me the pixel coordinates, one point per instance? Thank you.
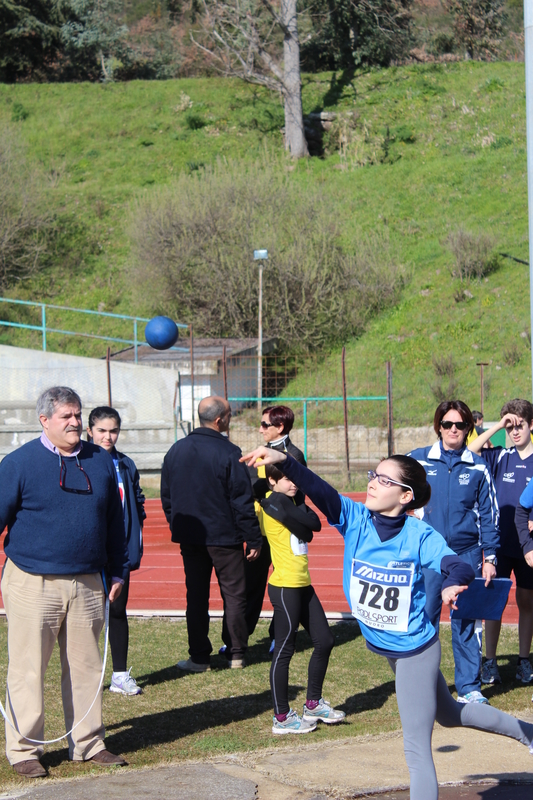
(506, 421)
(324, 496)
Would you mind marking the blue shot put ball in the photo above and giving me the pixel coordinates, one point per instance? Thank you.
(161, 333)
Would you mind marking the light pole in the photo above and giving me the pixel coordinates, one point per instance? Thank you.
(482, 364)
(260, 255)
(528, 58)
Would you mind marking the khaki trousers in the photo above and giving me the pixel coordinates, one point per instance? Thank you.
(41, 609)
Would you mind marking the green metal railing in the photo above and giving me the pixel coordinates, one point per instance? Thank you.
(305, 401)
(44, 329)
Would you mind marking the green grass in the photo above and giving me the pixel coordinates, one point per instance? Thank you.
(465, 165)
(181, 716)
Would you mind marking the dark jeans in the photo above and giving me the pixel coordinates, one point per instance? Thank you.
(198, 561)
(466, 641)
(256, 581)
(292, 607)
(118, 628)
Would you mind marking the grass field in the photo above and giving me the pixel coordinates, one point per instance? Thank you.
(453, 141)
(181, 716)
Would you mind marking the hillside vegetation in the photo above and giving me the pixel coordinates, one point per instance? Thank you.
(417, 152)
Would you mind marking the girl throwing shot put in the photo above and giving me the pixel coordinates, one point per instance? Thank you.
(385, 551)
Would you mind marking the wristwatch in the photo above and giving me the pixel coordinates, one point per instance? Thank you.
(491, 560)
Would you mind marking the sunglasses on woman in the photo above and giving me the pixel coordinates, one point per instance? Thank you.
(448, 425)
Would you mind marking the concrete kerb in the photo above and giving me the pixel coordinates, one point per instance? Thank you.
(363, 766)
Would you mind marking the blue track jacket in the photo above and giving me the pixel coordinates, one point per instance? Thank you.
(463, 505)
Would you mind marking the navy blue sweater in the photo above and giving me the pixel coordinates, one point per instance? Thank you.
(51, 531)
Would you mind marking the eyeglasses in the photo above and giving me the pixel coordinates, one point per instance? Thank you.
(266, 425)
(448, 425)
(384, 480)
(63, 475)
(515, 427)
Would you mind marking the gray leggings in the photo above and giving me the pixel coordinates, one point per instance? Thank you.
(423, 697)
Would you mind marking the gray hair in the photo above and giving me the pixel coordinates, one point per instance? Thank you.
(56, 396)
(212, 409)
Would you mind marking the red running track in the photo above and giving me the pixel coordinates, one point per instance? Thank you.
(159, 585)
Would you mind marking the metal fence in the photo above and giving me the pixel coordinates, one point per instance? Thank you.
(343, 419)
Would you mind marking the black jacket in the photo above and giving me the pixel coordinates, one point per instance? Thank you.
(206, 492)
(134, 513)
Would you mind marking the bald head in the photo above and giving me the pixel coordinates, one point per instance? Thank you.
(214, 412)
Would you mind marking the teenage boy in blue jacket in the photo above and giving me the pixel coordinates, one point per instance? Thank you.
(511, 469)
(464, 509)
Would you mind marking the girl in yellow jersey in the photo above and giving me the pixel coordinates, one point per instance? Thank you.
(288, 525)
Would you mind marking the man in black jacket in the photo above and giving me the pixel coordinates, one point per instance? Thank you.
(208, 501)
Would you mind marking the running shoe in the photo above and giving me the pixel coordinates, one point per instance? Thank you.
(124, 683)
(524, 671)
(489, 672)
(472, 697)
(293, 724)
(323, 712)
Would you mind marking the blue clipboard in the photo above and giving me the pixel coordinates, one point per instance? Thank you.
(481, 602)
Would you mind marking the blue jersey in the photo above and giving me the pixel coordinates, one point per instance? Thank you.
(511, 475)
(383, 581)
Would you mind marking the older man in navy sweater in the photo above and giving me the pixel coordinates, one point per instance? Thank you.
(60, 502)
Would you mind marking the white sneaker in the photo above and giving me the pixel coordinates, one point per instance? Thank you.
(123, 683)
(473, 697)
(323, 712)
(293, 724)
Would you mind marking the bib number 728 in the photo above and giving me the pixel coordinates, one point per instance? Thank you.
(390, 601)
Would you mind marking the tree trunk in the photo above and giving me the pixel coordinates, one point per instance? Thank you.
(295, 140)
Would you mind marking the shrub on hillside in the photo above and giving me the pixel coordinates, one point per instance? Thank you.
(25, 225)
(473, 254)
(193, 244)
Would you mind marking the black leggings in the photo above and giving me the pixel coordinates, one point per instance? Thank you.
(292, 607)
(118, 629)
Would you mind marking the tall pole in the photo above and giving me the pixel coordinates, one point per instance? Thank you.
(345, 406)
(191, 355)
(528, 53)
(260, 255)
(225, 372)
(390, 426)
(481, 364)
(108, 361)
(260, 341)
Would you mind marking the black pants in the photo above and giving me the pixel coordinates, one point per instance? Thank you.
(292, 607)
(198, 561)
(256, 581)
(118, 628)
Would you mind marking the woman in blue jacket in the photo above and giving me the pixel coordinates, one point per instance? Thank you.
(384, 553)
(103, 429)
(464, 509)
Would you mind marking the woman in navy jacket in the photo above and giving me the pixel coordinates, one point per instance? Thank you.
(103, 429)
(464, 509)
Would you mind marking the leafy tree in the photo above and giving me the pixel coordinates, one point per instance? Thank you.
(29, 36)
(93, 32)
(25, 224)
(478, 26)
(193, 247)
(251, 40)
(347, 33)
